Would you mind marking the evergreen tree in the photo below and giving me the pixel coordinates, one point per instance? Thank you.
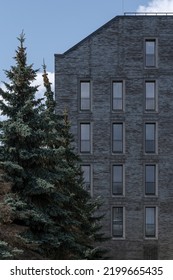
(48, 213)
(23, 155)
(85, 226)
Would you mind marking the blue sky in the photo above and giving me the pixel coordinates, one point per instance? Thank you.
(53, 26)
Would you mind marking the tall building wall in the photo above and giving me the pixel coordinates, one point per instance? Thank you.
(116, 53)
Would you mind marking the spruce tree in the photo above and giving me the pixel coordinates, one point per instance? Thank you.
(85, 225)
(23, 155)
(46, 212)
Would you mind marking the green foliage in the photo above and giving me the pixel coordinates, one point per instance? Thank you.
(53, 216)
(6, 253)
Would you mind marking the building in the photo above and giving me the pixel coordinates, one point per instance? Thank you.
(117, 85)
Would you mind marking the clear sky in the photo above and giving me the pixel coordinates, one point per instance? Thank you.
(53, 26)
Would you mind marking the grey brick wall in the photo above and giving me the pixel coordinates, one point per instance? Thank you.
(116, 51)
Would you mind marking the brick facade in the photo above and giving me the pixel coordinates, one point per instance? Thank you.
(116, 52)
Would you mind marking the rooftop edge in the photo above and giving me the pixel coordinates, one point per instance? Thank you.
(148, 14)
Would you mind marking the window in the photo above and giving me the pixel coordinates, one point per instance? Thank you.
(117, 222)
(150, 222)
(117, 179)
(117, 142)
(87, 177)
(85, 95)
(117, 95)
(150, 137)
(150, 53)
(150, 179)
(85, 138)
(150, 95)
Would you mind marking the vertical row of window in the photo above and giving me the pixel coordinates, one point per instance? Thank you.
(150, 172)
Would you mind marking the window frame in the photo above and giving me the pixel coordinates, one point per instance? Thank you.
(147, 152)
(123, 223)
(155, 64)
(122, 98)
(155, 182)
(155, 101)
(80, 95)
(89, 140)
(155, 236)
(122, 151)
(122, 177)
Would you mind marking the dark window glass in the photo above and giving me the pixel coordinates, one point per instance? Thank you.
(150, 138)
(117, 138)
(150, 221)
(150, 53)
(85, 138)
(117, 179)
(150, 96)
(150, 179)
(117, 222)
(85, 98)
(118, 95)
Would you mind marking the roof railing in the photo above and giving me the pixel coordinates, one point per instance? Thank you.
(148, 14)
